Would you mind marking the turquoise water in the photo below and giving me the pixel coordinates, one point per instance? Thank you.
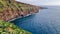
(47, 21)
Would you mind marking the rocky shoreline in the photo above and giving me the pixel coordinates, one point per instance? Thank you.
(11, 9)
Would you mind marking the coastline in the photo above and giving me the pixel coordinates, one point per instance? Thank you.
(17, 9)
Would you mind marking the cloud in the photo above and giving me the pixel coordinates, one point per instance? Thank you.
(41, 2)
(52, 3)
(28, 0)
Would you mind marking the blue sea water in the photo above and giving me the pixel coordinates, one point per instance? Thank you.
(47, 21)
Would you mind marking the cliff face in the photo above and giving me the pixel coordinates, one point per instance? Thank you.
(10, 9)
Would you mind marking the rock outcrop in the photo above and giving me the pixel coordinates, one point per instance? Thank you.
(10, 9)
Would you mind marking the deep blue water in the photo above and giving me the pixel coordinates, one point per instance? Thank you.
(47, 21)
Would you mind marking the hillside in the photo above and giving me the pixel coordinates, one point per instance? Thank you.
(10, 9)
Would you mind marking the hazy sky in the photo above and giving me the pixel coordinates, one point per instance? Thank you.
(41, 2)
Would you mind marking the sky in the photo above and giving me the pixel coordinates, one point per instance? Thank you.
(41, 2)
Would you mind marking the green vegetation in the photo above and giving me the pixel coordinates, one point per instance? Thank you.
(1, 6)
(10, 28)
(12, 4)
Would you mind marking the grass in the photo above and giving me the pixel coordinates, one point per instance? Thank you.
(12, 4)
(10, 28)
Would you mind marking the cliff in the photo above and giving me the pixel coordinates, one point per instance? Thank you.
(10, 9)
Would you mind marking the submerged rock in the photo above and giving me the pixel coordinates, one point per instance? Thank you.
(10, 9)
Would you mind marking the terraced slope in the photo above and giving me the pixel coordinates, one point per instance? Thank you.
(10, 9)
(10, 28)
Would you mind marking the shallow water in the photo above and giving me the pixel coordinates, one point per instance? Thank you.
(47, 21)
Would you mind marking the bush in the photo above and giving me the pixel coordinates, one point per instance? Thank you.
(10, 28)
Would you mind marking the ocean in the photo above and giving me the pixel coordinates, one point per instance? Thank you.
(47, 21)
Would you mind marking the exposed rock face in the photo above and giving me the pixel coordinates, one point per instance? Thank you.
(10, 9)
